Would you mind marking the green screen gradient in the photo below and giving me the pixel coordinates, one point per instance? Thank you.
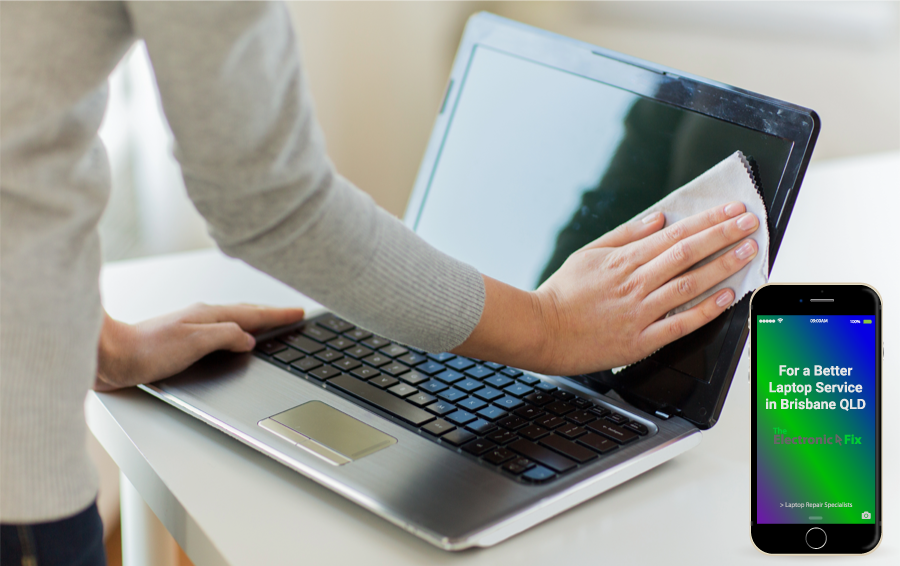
(815, 473)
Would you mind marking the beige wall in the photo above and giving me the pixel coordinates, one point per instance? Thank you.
(378, 69)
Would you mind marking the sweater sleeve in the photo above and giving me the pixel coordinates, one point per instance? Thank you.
(254, 162)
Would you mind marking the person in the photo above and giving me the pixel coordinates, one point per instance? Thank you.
(254, 163)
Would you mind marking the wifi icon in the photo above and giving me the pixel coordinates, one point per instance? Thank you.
(780, 319)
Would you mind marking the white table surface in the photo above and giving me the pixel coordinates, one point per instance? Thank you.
(223, 501)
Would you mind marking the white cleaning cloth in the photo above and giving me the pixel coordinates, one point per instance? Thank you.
(730, 180)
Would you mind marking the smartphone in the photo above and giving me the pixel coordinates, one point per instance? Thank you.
(815, 372)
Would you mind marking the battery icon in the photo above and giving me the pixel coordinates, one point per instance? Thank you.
(867, 321)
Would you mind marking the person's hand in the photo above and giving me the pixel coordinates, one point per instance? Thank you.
(164, 346)
(605, 306)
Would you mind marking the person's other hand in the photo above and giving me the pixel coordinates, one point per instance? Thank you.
(605, 306)
(164, 346)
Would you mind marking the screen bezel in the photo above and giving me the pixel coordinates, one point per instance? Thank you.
(785, 299)
(700, 402)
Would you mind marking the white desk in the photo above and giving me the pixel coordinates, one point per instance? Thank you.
(224, 502)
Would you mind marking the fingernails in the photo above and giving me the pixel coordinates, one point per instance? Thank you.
(724, 298)
(747, 221)
(745, 250)
(653, 217)
(733, 209)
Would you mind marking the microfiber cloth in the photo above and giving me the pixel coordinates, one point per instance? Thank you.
(730, 180)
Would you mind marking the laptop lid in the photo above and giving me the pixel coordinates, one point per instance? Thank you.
(543, 143)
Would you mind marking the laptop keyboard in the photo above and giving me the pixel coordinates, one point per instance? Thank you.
(507, 419)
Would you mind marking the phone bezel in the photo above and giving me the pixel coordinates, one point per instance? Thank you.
(785, 299)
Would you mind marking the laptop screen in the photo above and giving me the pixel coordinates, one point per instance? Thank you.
(536, 162)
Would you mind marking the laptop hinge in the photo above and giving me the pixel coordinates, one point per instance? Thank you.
(662, 415)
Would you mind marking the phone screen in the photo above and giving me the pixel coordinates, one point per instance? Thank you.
(816, 419)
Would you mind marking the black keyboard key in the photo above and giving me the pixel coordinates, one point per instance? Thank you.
(498, 456)
(303, 344)
(472, 404)
(478, 446)
(375, 342)
(365, 372)
(431, 368)
(288, 355)
(540, 398)
(518, 389)
(637, 427)
(434, 386)
(460, 417)
(381, 399)
(393, 350)
(494, 365)
(610, 430)
(597, 443)
(441, 408)
(347, 364)
(538, 474)
(403, 390)
(599, 411)
(518, 465)
(545, 387)
(529, 379)
(488, 394)
(508, 403)
(617, 418)
(468, 385)
(452, 395)
(570, 431)
(479, 372)
(340, 343)
(358, 352)
(270, 347)
(541, 455)
(329, 355)
(492, 413)
(377, 360)
(564, 395)
(438, 427)
(412, 359)
(460, 364)
(442, 356)
(457, 437)
(481, 427)
(502, 436)
(394, 369)
(581, 417)
(512, 422)
(529, 412)
(324, 372)
(534, 432)
(498, 381)
(414, 377)
(335, 324)
(383, 381)
(559, 408)
(450, 376)
(512, 372)
(357, 334)
(306, 364)
(421, 399)
(550, 421)
(582, 403)
(318, 333)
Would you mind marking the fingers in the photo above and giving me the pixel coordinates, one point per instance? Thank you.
(688, 286)
(691, 250)
(674, 327)
(208, 338)
(252, 318)
(651, 247)
(630, 232)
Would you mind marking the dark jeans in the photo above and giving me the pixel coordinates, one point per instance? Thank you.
(74, 541)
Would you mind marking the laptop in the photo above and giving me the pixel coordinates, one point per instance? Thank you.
(542, 144)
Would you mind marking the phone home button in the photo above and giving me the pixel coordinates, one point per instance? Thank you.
(816, 538)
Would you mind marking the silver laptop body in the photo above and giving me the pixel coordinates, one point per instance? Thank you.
(527, 136)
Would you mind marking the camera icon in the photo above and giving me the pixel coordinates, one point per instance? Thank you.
(866, 515)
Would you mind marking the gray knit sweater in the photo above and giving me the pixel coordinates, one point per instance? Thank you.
(254, 163)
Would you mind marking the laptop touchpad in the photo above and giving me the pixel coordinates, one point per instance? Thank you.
(328, 433)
